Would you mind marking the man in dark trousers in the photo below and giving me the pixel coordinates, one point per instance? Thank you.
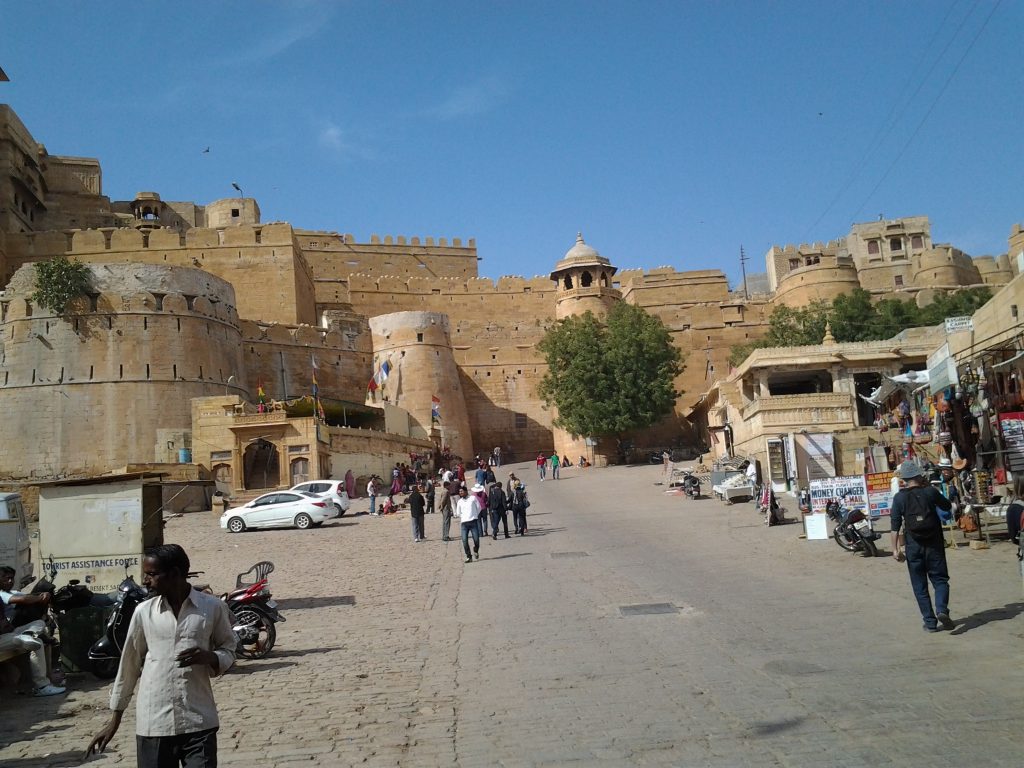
(914, 511)
(497, 507)
(417, 505)
(184, 637)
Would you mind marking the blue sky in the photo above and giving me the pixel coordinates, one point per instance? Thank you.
(668, 132)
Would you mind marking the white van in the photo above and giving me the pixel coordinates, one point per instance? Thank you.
(15, 547)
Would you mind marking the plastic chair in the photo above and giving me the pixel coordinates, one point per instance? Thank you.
(259, 572)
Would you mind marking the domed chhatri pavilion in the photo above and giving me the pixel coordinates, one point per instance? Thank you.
(205, 328)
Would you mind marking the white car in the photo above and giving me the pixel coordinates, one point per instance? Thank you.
(281, 509)
(333, 490)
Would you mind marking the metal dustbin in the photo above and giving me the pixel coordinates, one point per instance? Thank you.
(79, 629)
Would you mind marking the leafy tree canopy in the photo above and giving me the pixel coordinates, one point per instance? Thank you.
(854, 317)
(58, 281)
(606, 379)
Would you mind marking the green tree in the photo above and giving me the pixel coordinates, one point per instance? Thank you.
(965, 302)
(606, 379)
(58, 281)
(852, 316)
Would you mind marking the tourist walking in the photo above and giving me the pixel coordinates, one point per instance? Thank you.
(496, 506)
(184, 636)
(429, 492)
(510, 485)
(554, 466)
(519, 501)
(497, 456)
(371, 491)
(416, 508)
(921, 543)
(446, 512)
(468, 509)
(542, 466)
(480, 493)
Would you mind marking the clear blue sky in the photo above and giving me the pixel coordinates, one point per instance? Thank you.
(668, 132)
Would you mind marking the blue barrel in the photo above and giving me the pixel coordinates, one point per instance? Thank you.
(184, 455)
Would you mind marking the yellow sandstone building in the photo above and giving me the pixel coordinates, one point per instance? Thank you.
(205, 326)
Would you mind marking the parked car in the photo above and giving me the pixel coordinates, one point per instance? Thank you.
(334, 490)
(281, 509)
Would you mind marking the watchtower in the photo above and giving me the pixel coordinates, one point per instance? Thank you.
(583, 280)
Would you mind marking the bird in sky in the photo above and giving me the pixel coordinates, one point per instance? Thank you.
(206, 151)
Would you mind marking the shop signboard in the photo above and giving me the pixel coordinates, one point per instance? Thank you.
(941, 370)
(957, 324)
(815, 455)
(851, 488)
(880, 492)
(1012, 426)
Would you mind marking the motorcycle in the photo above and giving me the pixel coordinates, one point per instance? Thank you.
(691, 485)
(254, 614)
(105, 654)
(853, 531)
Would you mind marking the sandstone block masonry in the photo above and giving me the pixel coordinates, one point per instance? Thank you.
(203, 300)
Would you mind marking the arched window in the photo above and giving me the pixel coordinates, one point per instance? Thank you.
(586, 280)
(222, 474)
(568, 282)
(604, 279)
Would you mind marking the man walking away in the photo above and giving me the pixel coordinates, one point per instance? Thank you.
(519, 503)
(416, 507)
(468, 510)
(914, 510)
(446, 512)
(184, 637)
(554, 466)
(497, 456)
(428, 486)
(496, 506)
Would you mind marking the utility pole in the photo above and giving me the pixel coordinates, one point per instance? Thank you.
(743, 266)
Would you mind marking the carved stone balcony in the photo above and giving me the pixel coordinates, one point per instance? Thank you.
(784, 413)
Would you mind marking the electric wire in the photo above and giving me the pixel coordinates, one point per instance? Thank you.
(931, 109)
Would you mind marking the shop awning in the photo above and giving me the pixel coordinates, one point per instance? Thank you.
(911, 381)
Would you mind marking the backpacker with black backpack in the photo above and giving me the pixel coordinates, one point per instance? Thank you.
(496, 498)
(519, 498)
(919, 516)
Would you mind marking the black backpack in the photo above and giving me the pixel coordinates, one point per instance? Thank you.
(919, 516)
(519, 498)
(496, 498)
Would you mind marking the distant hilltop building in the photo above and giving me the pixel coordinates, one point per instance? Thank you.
(205, 328)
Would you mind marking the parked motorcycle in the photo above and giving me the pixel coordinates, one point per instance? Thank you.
(691, 485)
(254, 614)
(105, 654)
(853, 531)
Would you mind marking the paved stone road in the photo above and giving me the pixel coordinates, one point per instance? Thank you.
(775, 652)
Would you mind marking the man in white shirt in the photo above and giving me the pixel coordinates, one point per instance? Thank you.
(31, 637)
(371, 491)
(185, 638)
(468, 510)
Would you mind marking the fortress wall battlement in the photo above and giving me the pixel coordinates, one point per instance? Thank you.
(994, 270)
(334, 256)
(821, 281)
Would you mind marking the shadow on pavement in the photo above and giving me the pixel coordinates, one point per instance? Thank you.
(29, 733)
(980, 619)
(306, 651)
(514, 554)
(248, 667)
(69, 758)
(303, 603)
(769, 729)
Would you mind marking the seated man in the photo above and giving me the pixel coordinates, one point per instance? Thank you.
(31, 638)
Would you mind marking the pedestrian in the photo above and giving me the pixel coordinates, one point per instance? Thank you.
(429, 492)
(554, 466)
(542, 465)
(497, 455)
(481, 474)
(497, 507)
(489, 478)
(31, 634)
(416, 507)
(468, 510)
(446, 512)
(1015, 512)
(565, 461)
(184, 637)
(921, 543)
(460, 472)
(519, 502)
(481, 496)
(510, 485)
(666, 459)
(371, 491)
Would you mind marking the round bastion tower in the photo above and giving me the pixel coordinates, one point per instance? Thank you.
(109, 383)
(584, 284)
(417, 346)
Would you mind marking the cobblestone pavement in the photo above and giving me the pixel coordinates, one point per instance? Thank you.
(768, 650)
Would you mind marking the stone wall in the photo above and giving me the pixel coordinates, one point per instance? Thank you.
(334, 256)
